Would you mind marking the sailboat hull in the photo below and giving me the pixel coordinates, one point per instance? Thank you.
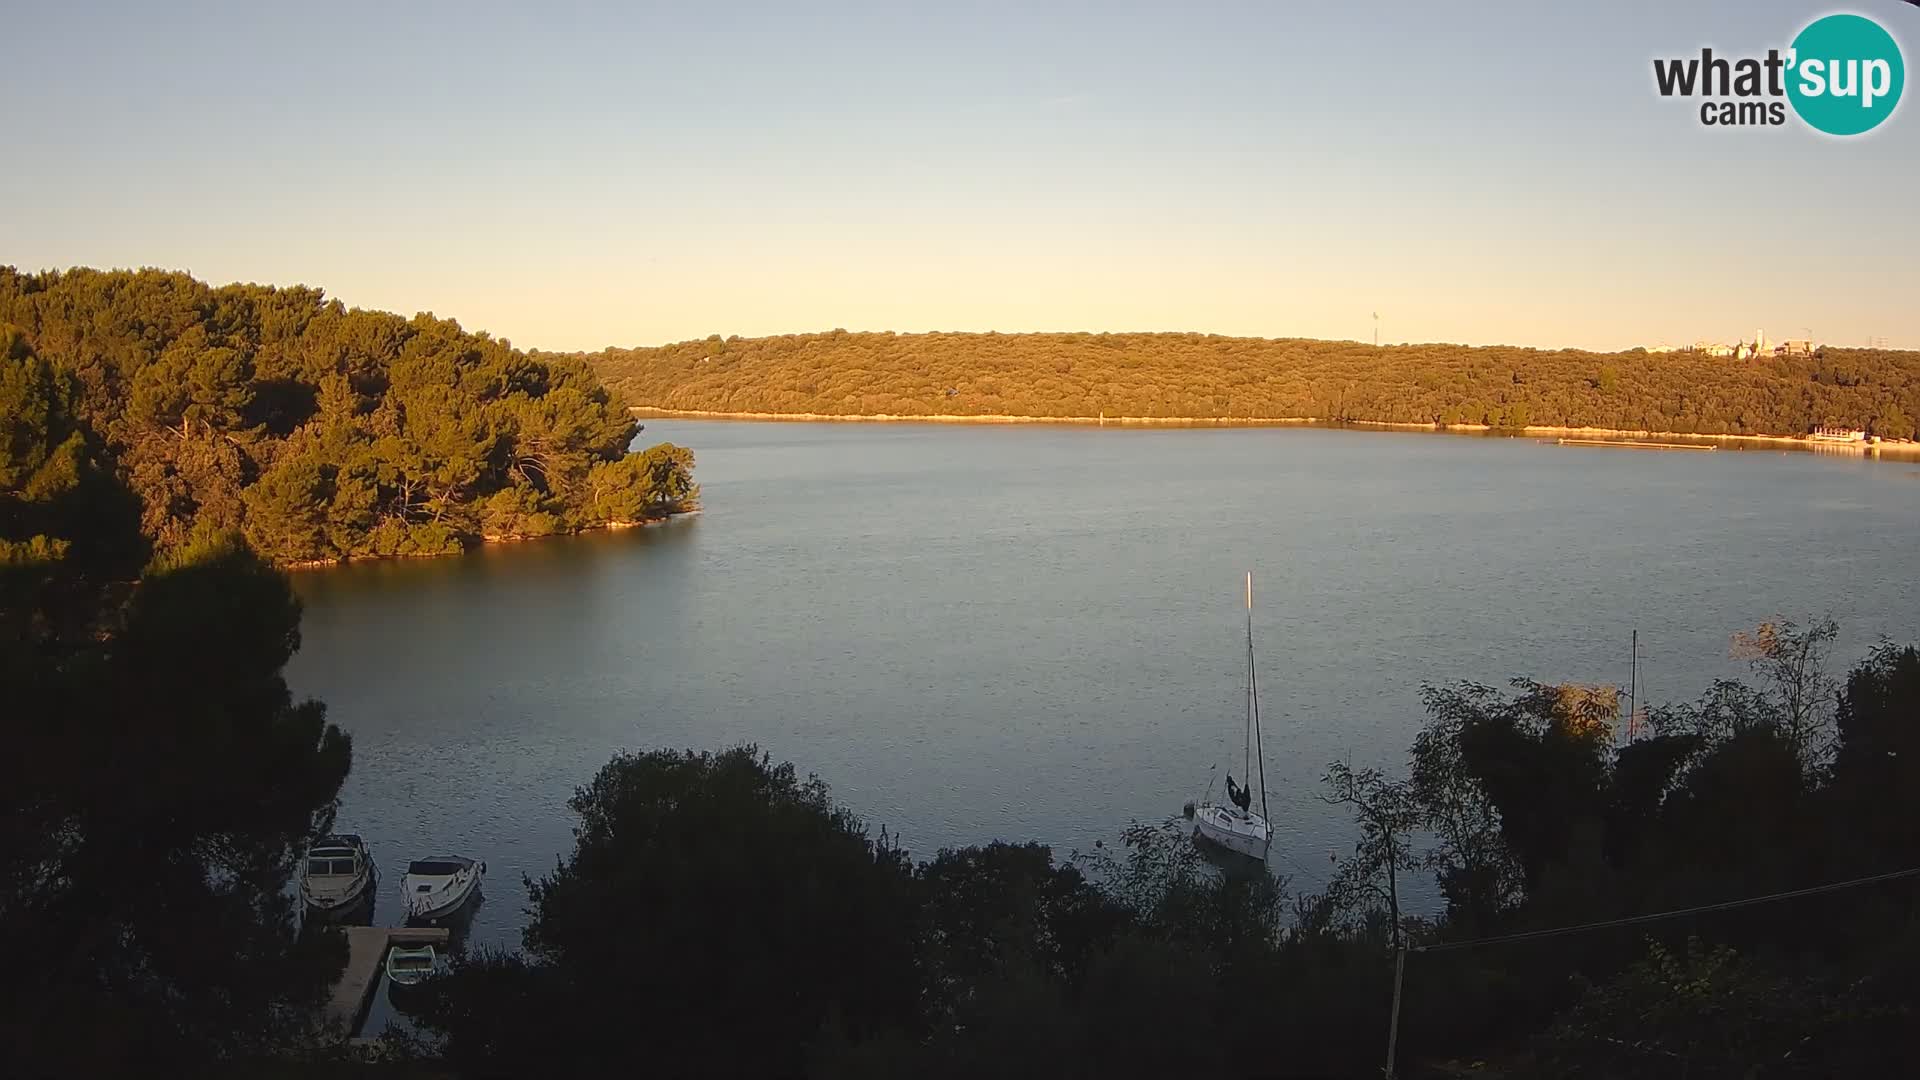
(1242, 834)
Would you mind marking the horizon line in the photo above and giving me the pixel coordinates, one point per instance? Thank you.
(327, 294)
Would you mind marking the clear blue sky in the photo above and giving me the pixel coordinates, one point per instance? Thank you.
(578, 176)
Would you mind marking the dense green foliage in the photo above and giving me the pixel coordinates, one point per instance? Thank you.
(158, 782)
(716, 910)
(321, 432)
(1205, 376)
(1541, 818)
(731, 960)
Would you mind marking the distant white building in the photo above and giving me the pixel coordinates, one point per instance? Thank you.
(1827, 433)
(1745, 350)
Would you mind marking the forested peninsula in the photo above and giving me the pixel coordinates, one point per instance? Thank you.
(319, 432)
(1205, 377)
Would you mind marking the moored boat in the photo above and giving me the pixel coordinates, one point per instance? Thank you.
(1235, 827)
(437, 887)
(337, 874)
(1239, 831)
(410, 966)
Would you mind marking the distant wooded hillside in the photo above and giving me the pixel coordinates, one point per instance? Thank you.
(1206, 376)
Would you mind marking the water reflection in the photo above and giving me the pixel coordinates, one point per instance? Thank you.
(357, 913)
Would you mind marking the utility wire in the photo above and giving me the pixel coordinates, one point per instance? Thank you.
(1631, 920)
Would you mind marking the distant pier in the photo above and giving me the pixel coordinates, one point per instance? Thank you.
(1638, 445)
(366, 955)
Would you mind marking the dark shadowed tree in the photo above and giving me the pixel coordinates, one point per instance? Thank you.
(158, 784)
(1700, 1011)
(716, 914)
(1790, 659)
(1538, 757)
(1477, 871)
(1876, 767)
(1034, 970)
(1387, 812)
(67, 529)
(981, 909)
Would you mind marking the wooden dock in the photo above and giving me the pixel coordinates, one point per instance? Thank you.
(1638, 445)
(366, 958)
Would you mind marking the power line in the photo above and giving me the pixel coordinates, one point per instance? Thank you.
(1632, 920)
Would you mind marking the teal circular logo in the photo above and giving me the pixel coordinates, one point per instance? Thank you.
(1846, 74)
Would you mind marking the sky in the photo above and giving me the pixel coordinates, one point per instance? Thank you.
(574, 176)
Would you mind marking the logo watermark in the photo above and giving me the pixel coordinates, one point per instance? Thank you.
(1842, 75)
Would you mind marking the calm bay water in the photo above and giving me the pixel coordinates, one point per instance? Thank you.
(1025, 633)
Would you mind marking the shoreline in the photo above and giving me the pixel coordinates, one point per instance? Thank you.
(485, 541)
(1793, 442)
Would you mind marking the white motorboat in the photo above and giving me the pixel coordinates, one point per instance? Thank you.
(1234, 826)
(338, 872)
(438, 887)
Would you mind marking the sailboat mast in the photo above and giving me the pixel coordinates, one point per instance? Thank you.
(1253, 701)
(1633, 687)
(1246, 747)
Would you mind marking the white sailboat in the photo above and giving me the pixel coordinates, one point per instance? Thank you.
(1235, 827)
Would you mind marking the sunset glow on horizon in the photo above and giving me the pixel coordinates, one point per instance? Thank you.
(586, 178)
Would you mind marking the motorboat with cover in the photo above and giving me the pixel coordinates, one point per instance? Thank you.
(338, 872)
(437, 887)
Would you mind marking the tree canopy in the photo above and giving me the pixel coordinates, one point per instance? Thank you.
(716, 910)
(159, 779)
(1206, 376)
(318, 431)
